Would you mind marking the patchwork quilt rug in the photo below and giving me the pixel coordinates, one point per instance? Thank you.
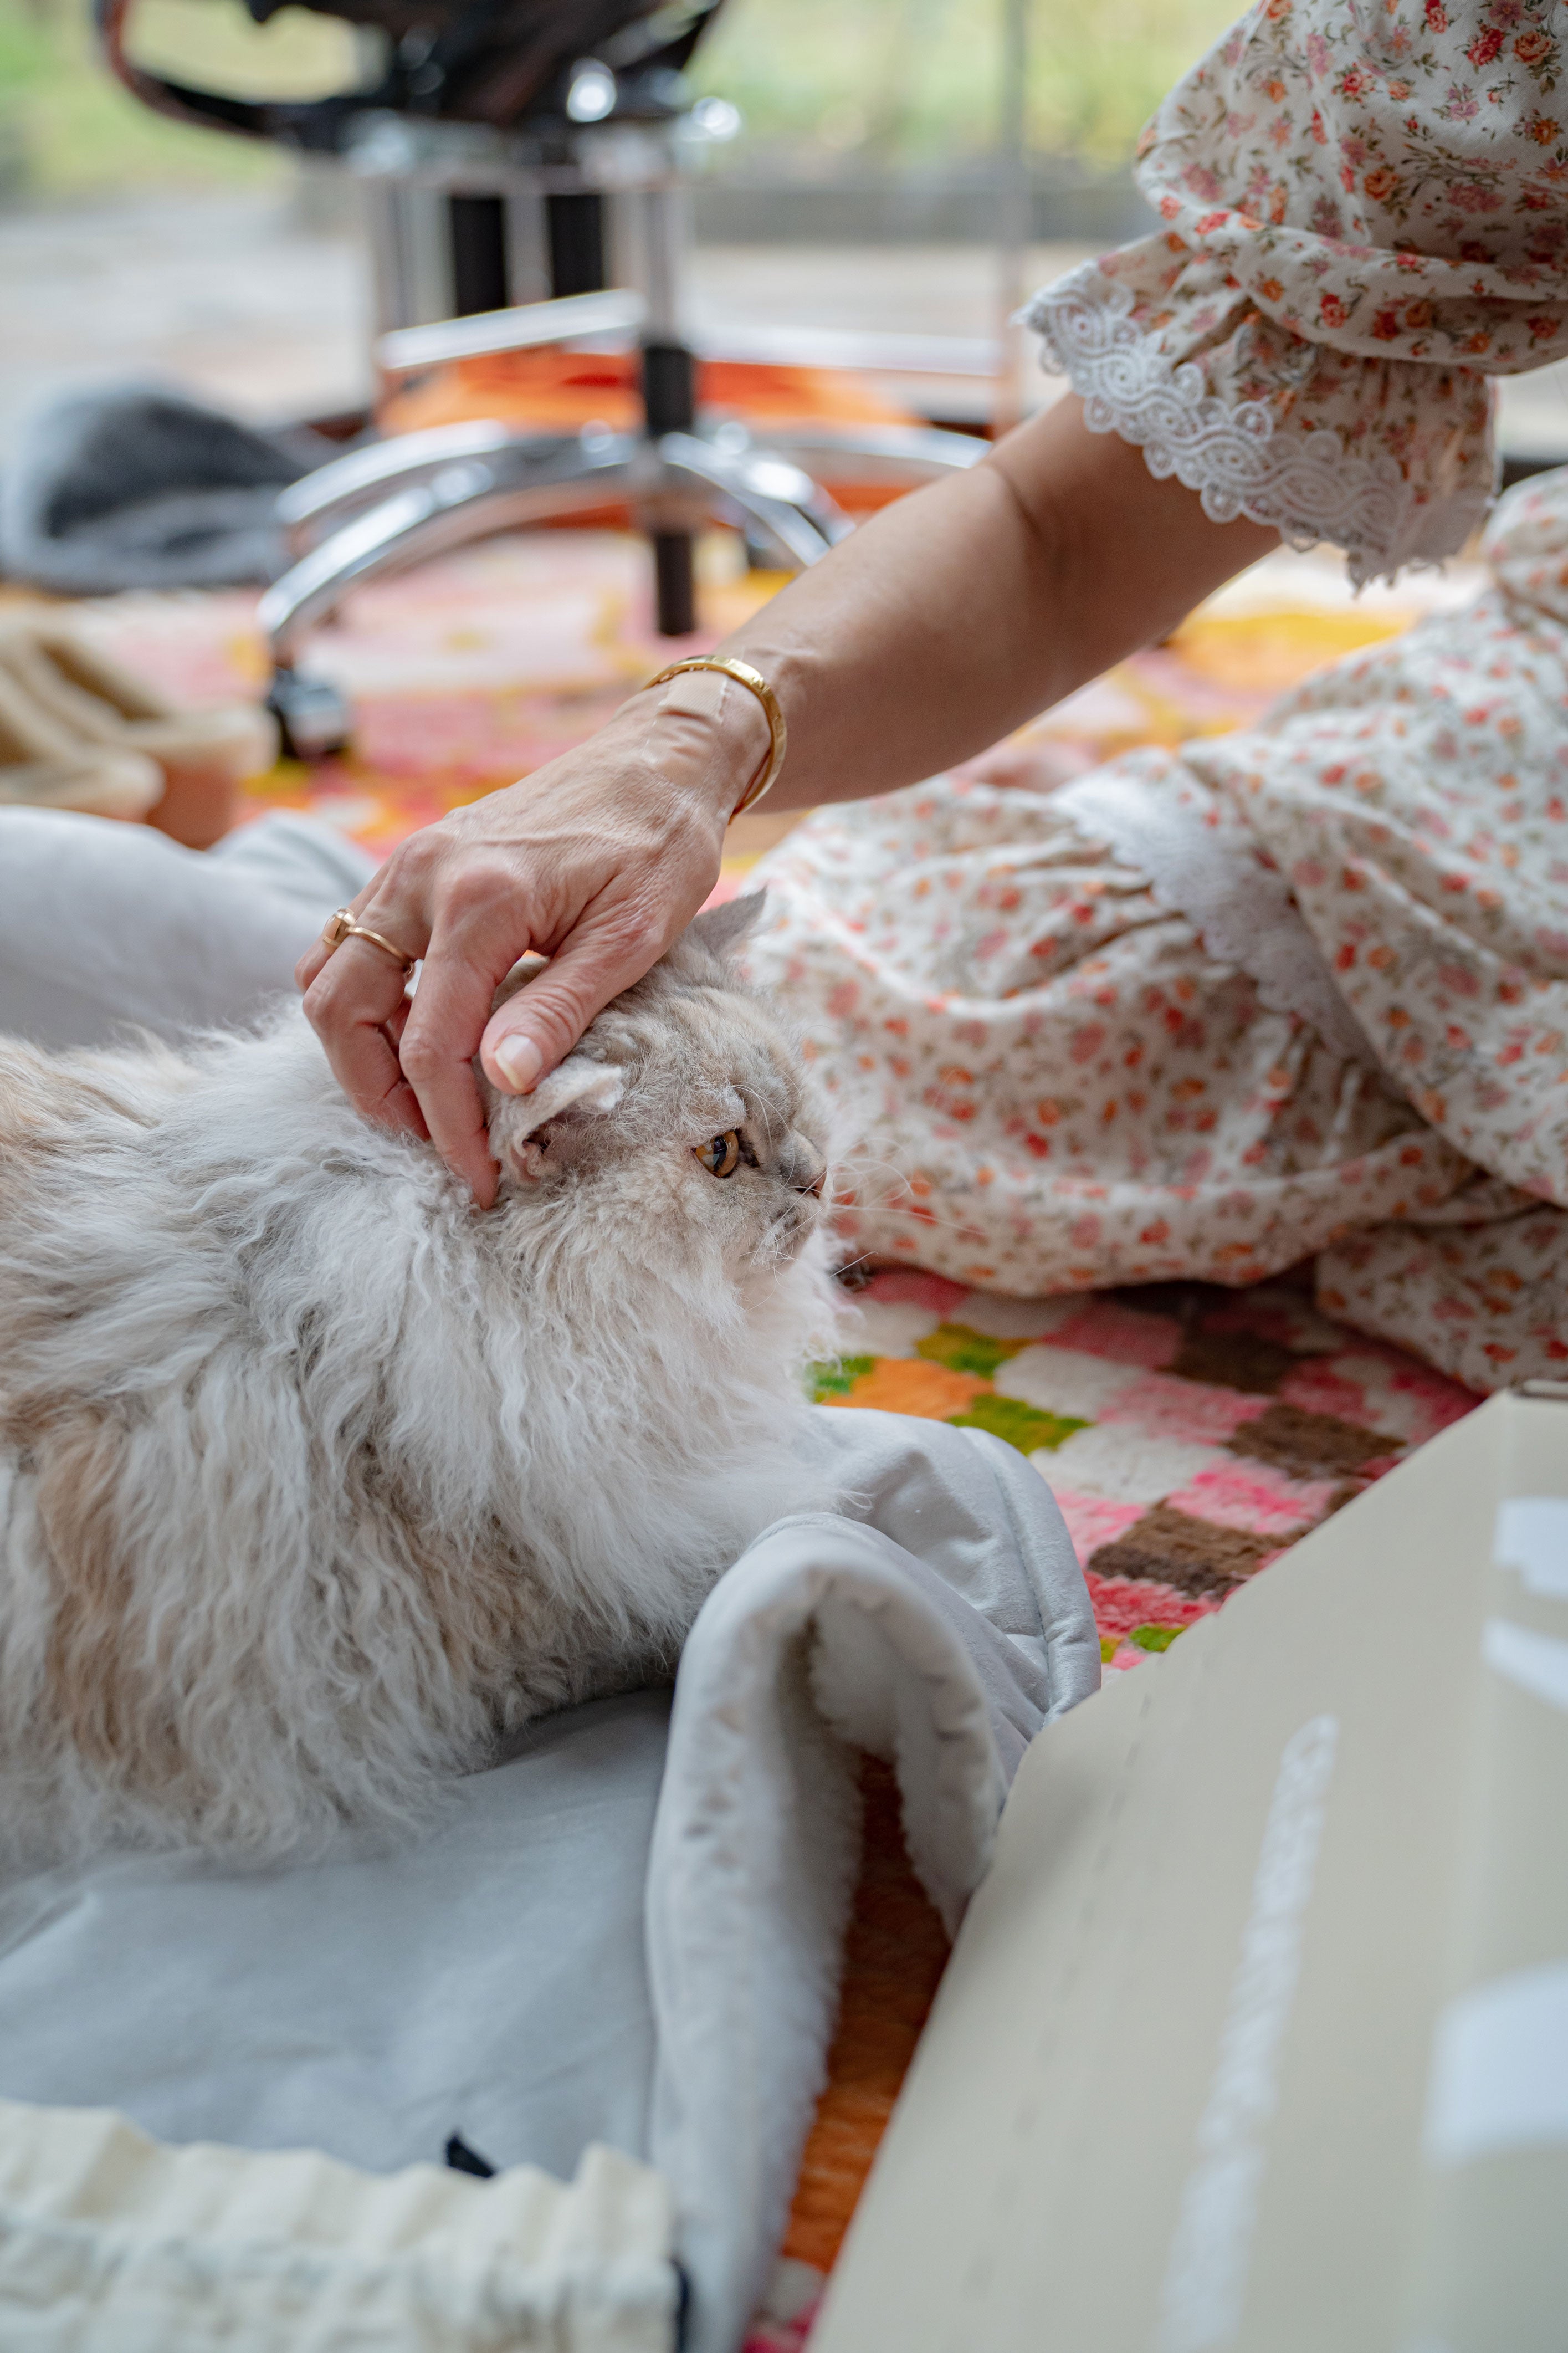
(1190, 1434)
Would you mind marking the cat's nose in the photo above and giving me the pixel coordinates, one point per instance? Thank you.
(812, 1180)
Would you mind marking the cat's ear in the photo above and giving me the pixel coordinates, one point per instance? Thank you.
(721, 929)
(533, 1136)
(576, 1084)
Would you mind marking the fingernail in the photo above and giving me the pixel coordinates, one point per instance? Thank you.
(518, 1061)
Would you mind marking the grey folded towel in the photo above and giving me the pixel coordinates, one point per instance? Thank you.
(136, 487)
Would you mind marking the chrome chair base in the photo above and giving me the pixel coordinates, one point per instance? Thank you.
(383, 510)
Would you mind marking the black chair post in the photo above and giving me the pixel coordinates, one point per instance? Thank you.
(669, 402)
(480, 275)
(574, 225)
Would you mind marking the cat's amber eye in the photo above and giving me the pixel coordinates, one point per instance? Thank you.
(721, 1155)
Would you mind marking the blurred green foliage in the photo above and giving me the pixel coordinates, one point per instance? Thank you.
(913, 81)
(67, 128)
(823, 85)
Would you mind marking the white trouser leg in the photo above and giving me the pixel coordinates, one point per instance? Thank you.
(106, 926)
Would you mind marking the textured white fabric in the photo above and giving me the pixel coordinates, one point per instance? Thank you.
(109, 2242)
(976, 1513)
(494, 1982)
(828, 1636)
(105, 926)
(1245, 910)
(753, 1865)
(1303, 483)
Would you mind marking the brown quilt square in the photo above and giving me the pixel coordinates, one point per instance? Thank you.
(1170, 1547)
(1234, 1360)
(1311, 1445)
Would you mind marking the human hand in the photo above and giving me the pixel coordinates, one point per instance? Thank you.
(596, 861)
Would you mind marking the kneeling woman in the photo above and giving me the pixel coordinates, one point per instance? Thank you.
(1201, 1013)
(1282, 993)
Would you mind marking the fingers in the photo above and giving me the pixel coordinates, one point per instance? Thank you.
(537, 1028)
(408, 1063)
(356, 1001)
(598, 871)
(314, 961)
(437, 1051)
(355, 1005)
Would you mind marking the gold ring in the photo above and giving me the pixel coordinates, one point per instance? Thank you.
(342, 927)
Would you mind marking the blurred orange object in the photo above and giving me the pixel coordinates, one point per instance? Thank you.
(555, 390)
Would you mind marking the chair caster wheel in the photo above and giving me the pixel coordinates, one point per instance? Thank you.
(314, 717)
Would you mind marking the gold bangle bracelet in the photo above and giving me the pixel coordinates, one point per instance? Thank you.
(758, 685)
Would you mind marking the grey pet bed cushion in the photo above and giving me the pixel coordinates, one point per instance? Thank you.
(630, 1930)
(106, 928)
(140, 488)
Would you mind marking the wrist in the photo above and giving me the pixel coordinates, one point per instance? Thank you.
(708, 732)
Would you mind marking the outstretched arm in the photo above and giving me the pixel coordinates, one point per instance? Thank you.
(950, 617)
(963, 610)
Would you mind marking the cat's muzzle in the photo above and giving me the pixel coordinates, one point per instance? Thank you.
(787, 1232)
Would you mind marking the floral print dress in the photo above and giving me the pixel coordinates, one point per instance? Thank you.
(1302, 989)
(1364, 217)
(1289, 991)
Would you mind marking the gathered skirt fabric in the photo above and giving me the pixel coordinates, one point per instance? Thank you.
(1043, 1080)
(1048, 1077)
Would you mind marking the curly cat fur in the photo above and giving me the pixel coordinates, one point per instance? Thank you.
(315, 1484)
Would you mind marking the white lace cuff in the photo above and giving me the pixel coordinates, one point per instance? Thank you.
(1238, 454)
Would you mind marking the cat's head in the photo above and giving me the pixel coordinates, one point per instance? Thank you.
(686, 1103)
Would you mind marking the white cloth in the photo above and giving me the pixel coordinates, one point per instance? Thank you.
(360, 2006)
(111, 2244)
(940, 1633)
(606, 1941)
(106, 927)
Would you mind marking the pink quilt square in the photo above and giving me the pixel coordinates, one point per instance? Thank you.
(915, 1288)
(1256, 1497)
(1167, 1408)
(1102, 1328)
(1378, 1390)
(1122, 1602)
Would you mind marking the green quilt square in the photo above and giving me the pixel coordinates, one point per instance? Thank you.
(836, 1378)
(1155, 1638)
(1023, 1426)
(963, 1351)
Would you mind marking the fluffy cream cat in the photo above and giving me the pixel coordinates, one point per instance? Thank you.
(315, 1482)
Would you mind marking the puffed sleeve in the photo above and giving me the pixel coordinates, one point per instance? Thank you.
(1365, 216)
